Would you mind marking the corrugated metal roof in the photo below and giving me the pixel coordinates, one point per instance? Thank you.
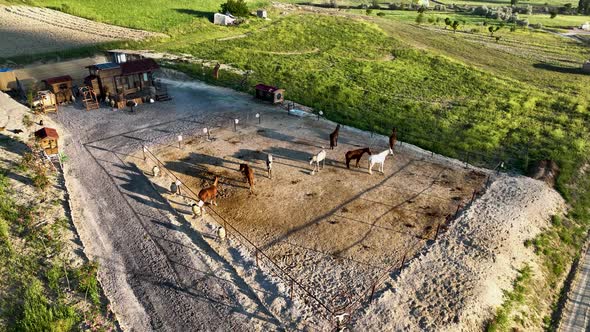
(138, 66)
(59, 79)
(46, 132)
(267, 88)
(104, 66)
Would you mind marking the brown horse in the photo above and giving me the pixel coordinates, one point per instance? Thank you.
(393, 138)
(249, 174)
(209, 193)
(355, 154)
(334, 137)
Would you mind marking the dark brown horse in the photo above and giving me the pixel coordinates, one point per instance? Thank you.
(334, 137)
(393, 138)
(355, 154)
(248, 174)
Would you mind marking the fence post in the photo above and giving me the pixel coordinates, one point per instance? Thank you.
(372, 293)
(257, 258)
(458, 208)
(473, 196)
(436, 234)
(403, 262)
(291, 291)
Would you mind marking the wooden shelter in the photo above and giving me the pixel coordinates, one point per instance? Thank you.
(47, 139)
(270, 93)
(61, 86)
(45, 101)
(131, 80)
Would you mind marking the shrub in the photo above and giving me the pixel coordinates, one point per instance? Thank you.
(420, 18)
(369, 11)
(553, 13)
(381, 14)
(481, 11)
(27, 122)
(87, 282)
(235, 7)
(537, 26)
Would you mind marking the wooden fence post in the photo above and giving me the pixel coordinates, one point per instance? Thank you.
(436, 234)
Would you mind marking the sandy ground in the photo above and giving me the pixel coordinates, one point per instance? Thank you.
(336, 231)
(164, 272)
(30, 30)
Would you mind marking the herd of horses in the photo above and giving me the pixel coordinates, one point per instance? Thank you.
(208, 195)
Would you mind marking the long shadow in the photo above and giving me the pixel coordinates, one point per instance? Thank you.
(560, 69)
(196, 13)
(333, 210)
(275, 135)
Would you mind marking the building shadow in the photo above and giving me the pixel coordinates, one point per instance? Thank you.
(560, 69)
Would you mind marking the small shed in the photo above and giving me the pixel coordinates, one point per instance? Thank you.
(7, 78)
(221, 19)
(270, 93)
(45, 101)
(586, 67)
(61, 86)
(47, 139)
(261, 13)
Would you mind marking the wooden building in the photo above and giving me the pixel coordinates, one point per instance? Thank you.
(270, 93)
(47, 139)
(45, 101)
(61, 86)
(131, 80)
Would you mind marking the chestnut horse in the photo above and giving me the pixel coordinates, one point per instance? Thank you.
(249, 174)
(356, 154)
(393, 138)
(209, 193)
(334, 137)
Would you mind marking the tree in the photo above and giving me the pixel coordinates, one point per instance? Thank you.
(235, 7)
(455, 26)
(584, 7)
(420, 18)
(369, 11)
(493, 29)
(513, 2)
(375, 4)
(552, 12)
(448, 22)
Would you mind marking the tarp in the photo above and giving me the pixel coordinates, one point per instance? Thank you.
(221, 19)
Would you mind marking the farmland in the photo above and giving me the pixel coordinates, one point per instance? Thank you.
(516, 97)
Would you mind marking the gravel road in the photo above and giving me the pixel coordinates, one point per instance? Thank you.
(157, 272)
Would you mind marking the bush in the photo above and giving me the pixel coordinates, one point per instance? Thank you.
(235, 7)
(368, 11)
(420, 18)
(381, 14)
(537, 26)
(481, 11)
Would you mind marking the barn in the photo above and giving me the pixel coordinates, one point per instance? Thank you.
(47, 139)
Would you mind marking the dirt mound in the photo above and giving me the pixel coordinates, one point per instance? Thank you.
(546, 171)
(456, 283)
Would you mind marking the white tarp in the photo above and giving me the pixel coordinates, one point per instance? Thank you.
(222, 19)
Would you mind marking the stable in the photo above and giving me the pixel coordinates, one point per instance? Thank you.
(269, 93)
(61, 86)
(47, 139)
(120, 82)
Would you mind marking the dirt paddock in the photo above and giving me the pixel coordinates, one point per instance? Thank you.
(335, 231)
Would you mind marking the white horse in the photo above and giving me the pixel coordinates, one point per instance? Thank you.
(320, 157)
(378, 159)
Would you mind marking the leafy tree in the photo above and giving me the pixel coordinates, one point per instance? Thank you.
(584, 7)
(513, 2)
(235, 7)
(552, 12)
(369, 11)
(448, 22)
(375, 4)
(420, 18)
(493, 29)
(455, 26)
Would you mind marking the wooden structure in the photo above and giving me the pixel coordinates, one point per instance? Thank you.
(270, 93)
(45, 102)
(121, 56)
(47, 139)
(89, 98)
(7, 78)
(131, 80)
(61, 86)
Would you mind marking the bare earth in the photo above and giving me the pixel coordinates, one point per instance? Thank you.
(334, 231)
(30, 30)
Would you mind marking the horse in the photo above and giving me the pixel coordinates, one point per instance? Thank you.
(320, 157)
(334, 137)
(379, 159)
(269, 165)
(209, 193)
(249, 174)
(355, 154)
(393, 138)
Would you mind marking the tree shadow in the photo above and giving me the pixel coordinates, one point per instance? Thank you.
(560, 69)
(196, 13)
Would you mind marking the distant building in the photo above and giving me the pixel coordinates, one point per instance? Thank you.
(222, 19)
(269, 93)
(586, 67)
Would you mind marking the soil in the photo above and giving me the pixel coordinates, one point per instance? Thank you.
(31, 30)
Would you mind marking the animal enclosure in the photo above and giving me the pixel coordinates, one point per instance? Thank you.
(335, 230)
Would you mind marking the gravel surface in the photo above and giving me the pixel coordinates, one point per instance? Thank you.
(156, 271)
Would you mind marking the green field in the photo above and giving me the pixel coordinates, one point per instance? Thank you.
(518, 98)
